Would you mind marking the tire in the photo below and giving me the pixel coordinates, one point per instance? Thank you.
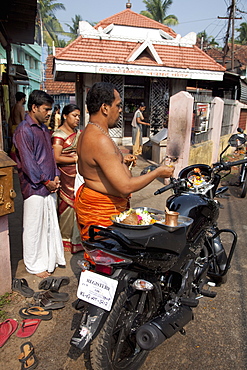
(243, 183)
(219, 264)
(219, 280)
(115, 346)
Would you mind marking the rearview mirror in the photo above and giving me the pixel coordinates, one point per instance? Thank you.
(237, 140)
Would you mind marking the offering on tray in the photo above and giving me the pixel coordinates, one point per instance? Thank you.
(135, 217)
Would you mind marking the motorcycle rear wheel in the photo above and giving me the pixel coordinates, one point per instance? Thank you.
(115, 347)
(243, 182)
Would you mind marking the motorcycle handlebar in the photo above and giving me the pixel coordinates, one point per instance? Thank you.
(219, 166)
(227, 165)
(162, 190)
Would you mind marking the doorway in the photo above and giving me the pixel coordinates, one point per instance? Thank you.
(136, 90)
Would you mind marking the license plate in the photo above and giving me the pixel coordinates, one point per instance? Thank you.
(97, 289)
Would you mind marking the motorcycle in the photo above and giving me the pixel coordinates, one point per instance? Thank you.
(140, 284)
(242, 183)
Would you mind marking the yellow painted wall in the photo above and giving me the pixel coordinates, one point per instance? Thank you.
(223, 144)
(202, 153)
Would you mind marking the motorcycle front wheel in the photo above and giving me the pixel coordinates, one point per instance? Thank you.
(243, 182)
(115, 346)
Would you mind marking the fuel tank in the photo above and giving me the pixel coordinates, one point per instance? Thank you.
(203, 210)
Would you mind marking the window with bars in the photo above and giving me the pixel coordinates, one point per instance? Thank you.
(159, 103)
(118, 81)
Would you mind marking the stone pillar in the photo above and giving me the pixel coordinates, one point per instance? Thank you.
(179, 128)
(236, 116)
(215, 124)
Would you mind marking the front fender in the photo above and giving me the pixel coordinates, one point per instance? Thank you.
(94, 317)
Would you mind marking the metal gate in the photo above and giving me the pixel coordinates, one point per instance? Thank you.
(227, 121)
(158, 103)
(118, 81)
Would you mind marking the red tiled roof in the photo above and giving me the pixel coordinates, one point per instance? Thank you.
(240, 54)
(56, 87)
(111, 51)
(129, 18)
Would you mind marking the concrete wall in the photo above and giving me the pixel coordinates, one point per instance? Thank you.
(179, 132)
(201, 153)
(159, 151)
(223, 143)
(29, 55)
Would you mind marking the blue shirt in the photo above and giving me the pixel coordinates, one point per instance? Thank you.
(34, 157)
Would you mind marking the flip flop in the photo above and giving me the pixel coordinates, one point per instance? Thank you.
(52, 296)
(54, 283)
(48, 304)
(21, 286)
(27, 357)
(7, 328)
(28, 328)
(35, 312)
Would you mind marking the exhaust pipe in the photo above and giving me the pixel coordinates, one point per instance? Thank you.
(155, 332)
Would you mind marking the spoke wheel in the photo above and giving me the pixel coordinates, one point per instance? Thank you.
(115, 347)
(243, 183)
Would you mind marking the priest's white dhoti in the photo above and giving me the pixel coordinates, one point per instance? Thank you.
(42, 241)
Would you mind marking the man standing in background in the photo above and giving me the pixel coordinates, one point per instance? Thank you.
(38, 175)
(16, 117)
(137, 122)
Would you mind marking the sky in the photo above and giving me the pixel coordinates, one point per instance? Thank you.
(193, 15)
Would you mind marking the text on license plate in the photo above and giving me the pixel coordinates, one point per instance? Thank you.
(97, 289)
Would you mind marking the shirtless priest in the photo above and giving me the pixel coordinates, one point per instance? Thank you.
(108, 180)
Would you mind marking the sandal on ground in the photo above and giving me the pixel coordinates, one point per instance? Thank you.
(54, 283)
(27, 357)
(35, 312)
(28, 328)
(48, 304)
(7, 328)
(52, 296)
(21, 286)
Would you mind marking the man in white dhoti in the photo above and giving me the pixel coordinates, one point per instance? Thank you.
(38, 175)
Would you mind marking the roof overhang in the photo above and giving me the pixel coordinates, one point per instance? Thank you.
(61, 67)
(18, 72)
(17, 21)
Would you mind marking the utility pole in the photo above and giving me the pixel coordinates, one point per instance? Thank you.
(42, 47)
(231, 19)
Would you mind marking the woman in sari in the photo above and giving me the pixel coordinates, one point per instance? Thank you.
(64, 142)
(137, 122)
